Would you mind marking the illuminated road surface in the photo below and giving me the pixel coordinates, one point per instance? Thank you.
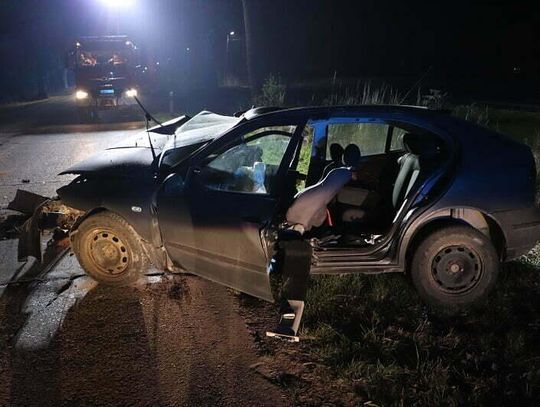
(64, 340)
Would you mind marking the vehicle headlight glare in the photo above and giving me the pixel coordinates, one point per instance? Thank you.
(81, 94)
(131, 93)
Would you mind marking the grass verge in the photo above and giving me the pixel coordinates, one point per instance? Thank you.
(374, 331)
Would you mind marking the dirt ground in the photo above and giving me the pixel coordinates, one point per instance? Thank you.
(175, 342)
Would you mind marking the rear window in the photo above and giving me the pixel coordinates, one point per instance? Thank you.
(369, 137)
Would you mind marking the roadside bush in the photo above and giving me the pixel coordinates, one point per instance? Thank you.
(273, 92)
(363, 94)
(475, 113)
(434, 99)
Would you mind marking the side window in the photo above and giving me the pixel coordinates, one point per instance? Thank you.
(396, 143)
(369, 137)
(251, 164)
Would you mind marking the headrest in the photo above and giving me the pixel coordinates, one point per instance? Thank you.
(352, 155)
(421, 145)
(336, 153)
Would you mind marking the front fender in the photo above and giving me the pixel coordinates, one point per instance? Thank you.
(82, 193)
(130, 198)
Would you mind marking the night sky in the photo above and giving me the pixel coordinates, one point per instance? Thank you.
(301, 40)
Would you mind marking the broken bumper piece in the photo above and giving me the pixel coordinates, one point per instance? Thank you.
(45, 213)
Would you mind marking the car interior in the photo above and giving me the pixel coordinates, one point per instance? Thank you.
(359, 179)
(250, 166)
(357, 197)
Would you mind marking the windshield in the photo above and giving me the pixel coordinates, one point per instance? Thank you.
(104, 57)
(203, 126)
(195, 133)
(86, 59)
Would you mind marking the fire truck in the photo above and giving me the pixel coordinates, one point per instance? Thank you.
(106, 73)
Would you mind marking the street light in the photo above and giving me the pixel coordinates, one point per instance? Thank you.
(114, 7)
(118, 3)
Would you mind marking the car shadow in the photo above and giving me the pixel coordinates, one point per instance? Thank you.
(171, 340)
(100, 355)
(18, 367)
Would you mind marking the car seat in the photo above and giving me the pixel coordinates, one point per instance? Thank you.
(336, 154)
(309, 206)
(421, 155)
(351, 198)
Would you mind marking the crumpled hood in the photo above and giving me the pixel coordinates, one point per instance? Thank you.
(134, 155)
(116, 161)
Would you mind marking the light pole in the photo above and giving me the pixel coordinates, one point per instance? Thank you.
(231, 36)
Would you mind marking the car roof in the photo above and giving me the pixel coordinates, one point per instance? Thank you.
(348, 110)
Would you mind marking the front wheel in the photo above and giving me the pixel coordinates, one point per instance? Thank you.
(454, 267)
(109, 249)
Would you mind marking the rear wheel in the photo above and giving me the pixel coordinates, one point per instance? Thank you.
(455, 267)
(109, 249)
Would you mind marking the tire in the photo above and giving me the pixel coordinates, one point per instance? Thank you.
(454, 268)
(109, 249)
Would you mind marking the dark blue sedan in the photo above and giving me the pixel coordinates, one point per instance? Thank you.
(374, 189)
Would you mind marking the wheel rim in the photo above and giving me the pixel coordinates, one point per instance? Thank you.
(456, 269)
(108, 252)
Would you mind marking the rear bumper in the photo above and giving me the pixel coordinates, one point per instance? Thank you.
(521, 228)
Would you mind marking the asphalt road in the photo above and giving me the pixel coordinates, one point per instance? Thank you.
(65, 340)
(59, 110)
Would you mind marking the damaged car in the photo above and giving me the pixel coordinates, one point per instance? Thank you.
(374, 189)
